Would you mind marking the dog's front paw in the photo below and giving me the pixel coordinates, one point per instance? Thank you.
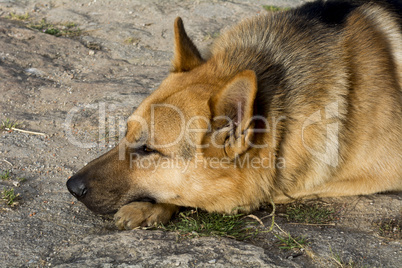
(143, 214)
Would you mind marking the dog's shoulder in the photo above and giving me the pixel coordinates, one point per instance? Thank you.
(336, 12)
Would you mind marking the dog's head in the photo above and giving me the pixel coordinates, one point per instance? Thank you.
(181, 144)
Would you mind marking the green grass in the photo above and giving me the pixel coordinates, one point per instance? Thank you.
(390, 228)
(310, 213)
(14, 16)
(5, 175)
(340, 262)
(275, 8)
(131, 41)
(213, 35)
(68, 29)
(21, 179)
(288, 242)
(9, 196)
(8, 124)
(195, 223)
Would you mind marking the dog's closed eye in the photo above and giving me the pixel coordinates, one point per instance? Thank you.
(145, 150)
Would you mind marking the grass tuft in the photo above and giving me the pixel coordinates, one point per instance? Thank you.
(131, 41)
(341, 262)
(5, 175)
(288, 242)
(14, 16)
(68, 29)
(195, 223)
(390, 228)
(8, 124)
(310, 213)
(21, 179)
(275, 8)
(9, 196)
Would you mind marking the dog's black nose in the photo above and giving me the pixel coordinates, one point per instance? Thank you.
(77, 187)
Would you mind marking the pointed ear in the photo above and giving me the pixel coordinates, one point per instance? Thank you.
(234, 107)
(187, 56)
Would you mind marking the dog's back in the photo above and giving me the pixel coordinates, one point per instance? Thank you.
(334, 12)
(340, 62)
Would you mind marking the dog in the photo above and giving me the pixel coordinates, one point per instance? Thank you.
(302, 103)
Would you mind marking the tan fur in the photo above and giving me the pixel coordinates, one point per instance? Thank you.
(286, 107)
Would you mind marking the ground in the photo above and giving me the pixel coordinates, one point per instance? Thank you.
(109, 56)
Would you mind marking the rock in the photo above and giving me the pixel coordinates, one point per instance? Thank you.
(160, 249)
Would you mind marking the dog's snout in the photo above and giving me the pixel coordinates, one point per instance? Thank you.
(76, 186)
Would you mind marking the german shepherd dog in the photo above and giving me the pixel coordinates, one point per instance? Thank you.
(296, 104)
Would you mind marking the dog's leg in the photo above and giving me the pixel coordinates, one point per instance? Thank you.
(364, 185)
(143, 214)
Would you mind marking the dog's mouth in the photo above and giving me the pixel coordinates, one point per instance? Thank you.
(144, 199)
(104, 207)
(112, 210)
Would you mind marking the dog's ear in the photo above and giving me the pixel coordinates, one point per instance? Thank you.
(232, 110)
(187, 56)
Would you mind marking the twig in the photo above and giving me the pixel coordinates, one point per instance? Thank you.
(271, 215)
(4, 160)
(255, 218)
(26, 131)
(309, 252)
(313, 224)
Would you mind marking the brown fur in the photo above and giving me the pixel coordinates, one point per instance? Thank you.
(318, 98)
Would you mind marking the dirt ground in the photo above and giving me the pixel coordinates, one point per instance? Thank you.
(64, 88)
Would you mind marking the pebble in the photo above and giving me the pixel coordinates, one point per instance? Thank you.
(34, 71)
